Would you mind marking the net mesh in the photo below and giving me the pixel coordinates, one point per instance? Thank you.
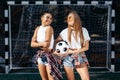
(24, 20)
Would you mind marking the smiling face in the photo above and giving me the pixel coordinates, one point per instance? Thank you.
(74, 24)
(46, 19)
(70, 19)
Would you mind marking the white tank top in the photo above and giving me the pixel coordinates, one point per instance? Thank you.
(74, 43)
(41, 36)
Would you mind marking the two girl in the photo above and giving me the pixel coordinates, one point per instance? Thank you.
(77, 38)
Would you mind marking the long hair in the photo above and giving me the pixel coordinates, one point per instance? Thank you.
(77, 28)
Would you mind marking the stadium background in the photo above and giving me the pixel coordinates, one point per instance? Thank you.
(22, 66)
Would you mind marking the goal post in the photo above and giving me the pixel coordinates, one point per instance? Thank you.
(24, 18)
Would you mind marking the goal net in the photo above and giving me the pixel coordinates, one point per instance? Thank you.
(25, 18)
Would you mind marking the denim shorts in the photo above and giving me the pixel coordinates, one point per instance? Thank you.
(70, 61)
(42, 60)
(41, 57)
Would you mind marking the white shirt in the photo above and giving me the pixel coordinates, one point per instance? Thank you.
(74, 43)
(41, 34)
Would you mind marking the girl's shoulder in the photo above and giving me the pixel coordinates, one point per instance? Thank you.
(84, 29)
(49, 27)
(64, 30)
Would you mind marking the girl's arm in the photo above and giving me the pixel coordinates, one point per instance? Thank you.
(57, 40)
(48, 36)
(81, 50)
(34, 42)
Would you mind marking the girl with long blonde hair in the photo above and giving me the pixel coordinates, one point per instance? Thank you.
(78, 39)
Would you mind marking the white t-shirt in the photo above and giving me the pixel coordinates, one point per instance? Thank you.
(41, 36)
(74, 43)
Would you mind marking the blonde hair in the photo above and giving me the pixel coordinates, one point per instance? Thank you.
(77, 28)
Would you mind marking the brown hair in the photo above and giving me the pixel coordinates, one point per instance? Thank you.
(77, 27)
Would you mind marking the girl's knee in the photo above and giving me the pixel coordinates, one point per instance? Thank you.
(44, 79)
(86, 78)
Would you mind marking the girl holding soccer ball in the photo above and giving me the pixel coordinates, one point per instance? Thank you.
(78, 39)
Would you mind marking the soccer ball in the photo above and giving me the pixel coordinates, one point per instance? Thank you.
(62, 47)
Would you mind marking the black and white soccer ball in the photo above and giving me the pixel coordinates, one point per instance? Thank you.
(62, 47)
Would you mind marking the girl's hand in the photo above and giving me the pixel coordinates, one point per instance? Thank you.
(45, 44)
(70, 51)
